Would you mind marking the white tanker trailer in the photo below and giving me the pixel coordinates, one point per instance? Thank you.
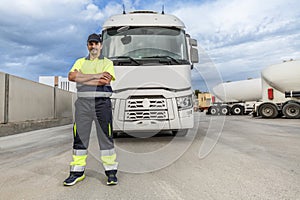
(280, 91)
(236, 97)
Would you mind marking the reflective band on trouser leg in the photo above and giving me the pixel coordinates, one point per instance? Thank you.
(109, 130)
(79, 160)
(108, 158)
(74, 129)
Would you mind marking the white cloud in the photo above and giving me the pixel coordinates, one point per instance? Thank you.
(226, 21)
(54, 31)
(240, 37)
(243, 37)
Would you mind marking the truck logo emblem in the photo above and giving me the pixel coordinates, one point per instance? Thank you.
(146, 103)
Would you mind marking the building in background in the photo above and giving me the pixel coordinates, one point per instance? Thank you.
(59, 82)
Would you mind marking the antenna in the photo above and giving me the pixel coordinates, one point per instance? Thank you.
(163, 9)
(124, 9)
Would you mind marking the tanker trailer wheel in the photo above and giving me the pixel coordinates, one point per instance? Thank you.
(291, 110)
(225, 110)
(237, 110)
(268, 111)
(214, 110)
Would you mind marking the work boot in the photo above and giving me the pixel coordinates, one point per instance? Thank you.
(74, 178)
(111, 177)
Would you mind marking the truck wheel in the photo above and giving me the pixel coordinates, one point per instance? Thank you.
(214, 110)
(208, 111)
(291, 110)
(268, 111)
(115, 134)
(225, 110)
(237, 110)
(180, 133)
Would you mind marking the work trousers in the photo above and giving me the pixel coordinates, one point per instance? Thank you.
(88, 110)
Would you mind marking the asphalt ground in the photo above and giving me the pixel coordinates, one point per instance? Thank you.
(223, 157)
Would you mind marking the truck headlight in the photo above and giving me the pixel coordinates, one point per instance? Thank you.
(184, 102)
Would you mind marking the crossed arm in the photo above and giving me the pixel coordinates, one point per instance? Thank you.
(90, 79)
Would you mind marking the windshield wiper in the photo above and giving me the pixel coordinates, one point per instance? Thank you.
(165, 57)
(118, 58)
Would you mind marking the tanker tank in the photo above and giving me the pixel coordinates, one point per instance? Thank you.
(236, 97)
(245, 90)
(280, 91)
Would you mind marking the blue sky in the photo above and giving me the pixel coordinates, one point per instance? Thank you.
(236, 38)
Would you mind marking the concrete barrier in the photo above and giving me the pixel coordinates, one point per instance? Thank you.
(26, 105)
(63, 103)
(29, 100)
(2, 96)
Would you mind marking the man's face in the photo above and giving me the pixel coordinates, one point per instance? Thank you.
(94, 48)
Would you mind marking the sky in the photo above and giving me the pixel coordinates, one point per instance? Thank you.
(236, 38)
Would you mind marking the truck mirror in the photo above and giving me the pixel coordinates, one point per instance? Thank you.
(193, 42)
(194, 55)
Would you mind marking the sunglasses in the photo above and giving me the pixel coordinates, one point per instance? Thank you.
(92, 43)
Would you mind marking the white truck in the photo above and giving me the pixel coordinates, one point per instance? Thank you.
(153, 57)
(235, 98)
(280, 91)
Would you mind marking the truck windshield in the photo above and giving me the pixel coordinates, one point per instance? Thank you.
(139, 44)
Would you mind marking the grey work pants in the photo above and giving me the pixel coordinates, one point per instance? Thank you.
(88, 110)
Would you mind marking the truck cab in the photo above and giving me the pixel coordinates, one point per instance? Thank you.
(153, 58)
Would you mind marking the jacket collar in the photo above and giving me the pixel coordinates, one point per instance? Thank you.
(99, 57)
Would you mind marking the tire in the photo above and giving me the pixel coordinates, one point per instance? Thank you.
(291, 110)
(115, 134)
(214, 110)
(208, 111)
(224, 110)
(237, 110)
(254, 114)
(268, 111)
(180, 133)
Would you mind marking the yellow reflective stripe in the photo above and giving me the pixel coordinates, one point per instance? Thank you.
(109, 130)
(74, 129)
(79, 160)
(109, 160)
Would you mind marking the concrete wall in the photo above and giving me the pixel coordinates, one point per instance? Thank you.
(31, 105)
(64, 103)
(29, 100)
(2, 96)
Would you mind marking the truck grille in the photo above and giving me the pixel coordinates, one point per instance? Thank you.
(141, 115)
(146, 108)
(138, 104)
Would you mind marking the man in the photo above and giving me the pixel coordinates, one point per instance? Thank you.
(93, 75)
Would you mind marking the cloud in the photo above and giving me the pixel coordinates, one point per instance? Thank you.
(243, 37)
(236, 38)
(45, 37)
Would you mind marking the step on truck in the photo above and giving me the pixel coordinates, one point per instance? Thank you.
(280, 91)
(153, 57)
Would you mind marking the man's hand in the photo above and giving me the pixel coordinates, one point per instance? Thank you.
(77, 73)
(106, 76)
